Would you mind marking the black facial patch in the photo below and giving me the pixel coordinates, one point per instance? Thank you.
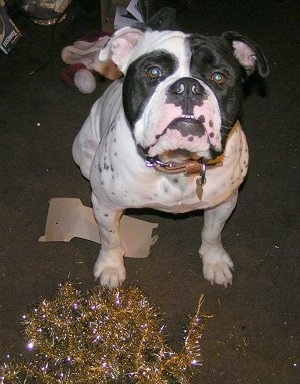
(214, 54)
(139, 86)
(187, 127)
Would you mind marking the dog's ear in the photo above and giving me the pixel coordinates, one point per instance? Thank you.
(121, 45)
(247, 53)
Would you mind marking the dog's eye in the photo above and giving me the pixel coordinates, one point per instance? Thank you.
(154, 72)
(218, 78)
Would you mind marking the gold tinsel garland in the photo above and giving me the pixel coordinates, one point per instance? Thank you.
(105, 336)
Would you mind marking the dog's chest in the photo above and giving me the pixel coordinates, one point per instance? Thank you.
(170, 193)
(125, 181)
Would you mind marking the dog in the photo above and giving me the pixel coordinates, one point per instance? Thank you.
(167, 136)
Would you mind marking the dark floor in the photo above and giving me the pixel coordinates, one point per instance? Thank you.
(254, 334)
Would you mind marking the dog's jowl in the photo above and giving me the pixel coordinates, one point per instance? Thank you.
(167, 136)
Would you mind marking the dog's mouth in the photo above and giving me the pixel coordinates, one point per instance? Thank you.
(177, 156)
(187, 125)
(184, 138)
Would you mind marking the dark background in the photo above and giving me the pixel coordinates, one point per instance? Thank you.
(253, 336)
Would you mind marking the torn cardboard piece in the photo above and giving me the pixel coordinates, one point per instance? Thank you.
(68, 218)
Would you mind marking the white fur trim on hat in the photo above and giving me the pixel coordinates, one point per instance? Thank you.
(85, 81)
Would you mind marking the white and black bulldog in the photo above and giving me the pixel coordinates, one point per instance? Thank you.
(166, 136)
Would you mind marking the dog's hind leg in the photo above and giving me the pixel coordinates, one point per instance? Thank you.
(217, 264)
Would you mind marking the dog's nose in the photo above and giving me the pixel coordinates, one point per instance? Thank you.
(186, 93)
(186, 86)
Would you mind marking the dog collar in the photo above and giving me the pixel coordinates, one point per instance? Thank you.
(188, 167)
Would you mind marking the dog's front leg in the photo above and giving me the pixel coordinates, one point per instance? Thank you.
(217, 264)
(109, 267)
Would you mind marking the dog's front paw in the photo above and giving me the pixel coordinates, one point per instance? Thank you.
(110, 275)
(217, 268)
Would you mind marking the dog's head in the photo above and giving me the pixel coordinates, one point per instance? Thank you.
(182, 92)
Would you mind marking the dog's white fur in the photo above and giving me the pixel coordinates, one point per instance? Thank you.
(105, 140)
(219, 193)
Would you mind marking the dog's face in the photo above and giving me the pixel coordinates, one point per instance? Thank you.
(182, 93)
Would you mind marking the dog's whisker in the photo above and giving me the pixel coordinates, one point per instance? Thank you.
(226, 129)
(227, 120)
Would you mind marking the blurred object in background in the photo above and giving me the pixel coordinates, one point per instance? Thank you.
(9, 33)
(46, 12)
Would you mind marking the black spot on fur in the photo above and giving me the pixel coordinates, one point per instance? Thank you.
(187, 127)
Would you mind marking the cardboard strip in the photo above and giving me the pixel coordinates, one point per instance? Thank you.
(68, 218)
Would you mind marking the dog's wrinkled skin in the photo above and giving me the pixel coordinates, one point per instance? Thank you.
(179, 99)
